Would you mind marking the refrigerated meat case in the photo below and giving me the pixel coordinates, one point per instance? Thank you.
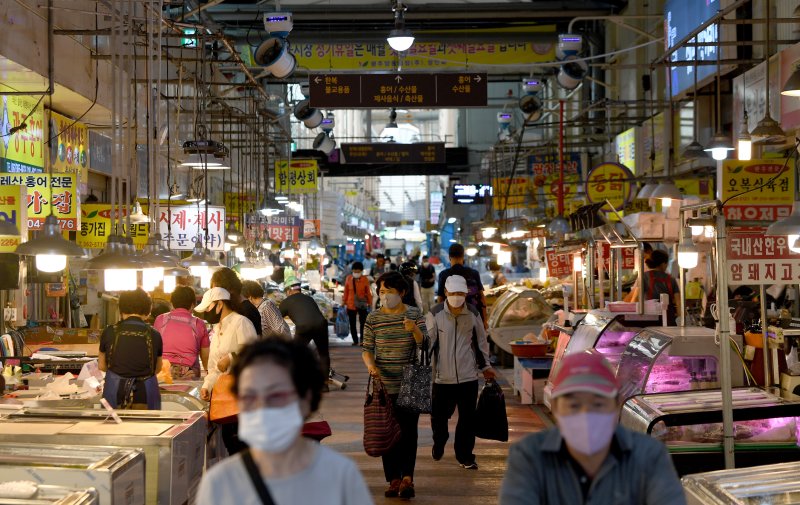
(759, 485)
(116, 474)
(174, 443)
(56, 495)
(690, 424)
(519, 311)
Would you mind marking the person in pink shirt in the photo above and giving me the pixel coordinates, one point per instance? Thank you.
(185, 336)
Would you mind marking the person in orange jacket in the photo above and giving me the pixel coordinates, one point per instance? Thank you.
(357, 299)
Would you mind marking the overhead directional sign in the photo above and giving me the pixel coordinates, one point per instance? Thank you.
(398, 90)
(391, 153)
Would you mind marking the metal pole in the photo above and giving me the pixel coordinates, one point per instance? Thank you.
(724, 344)
(591, 250)
(640, 262)
(682, 272)
(762, 296)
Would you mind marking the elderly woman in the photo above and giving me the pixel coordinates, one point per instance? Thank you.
(279, 385)
(390, 339)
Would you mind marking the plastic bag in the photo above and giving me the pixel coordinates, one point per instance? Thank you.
(342, 323)
(491, 420)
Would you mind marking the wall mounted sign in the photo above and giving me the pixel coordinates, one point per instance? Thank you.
(13, 210)
(609, 181)
(22, 151)
(511, 193)
(769, 203)
(296, 177)
(754, 258)
(69, 151)
(184, 226)
(393, 153)
(57, 192)
(96, 227)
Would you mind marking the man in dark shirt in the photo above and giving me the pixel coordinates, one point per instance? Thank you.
(475, 295)
(427, 280)
(226, 278)
(308, 321)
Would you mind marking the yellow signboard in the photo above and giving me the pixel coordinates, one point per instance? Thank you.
(21, 151)
(753, 193)
(703, 188)
(96, 227)
(296, 177)
(511, 193)
(239, 203)
(45, 192)
(69, 152)
(609, 181)
(13, 211)
(626, 148)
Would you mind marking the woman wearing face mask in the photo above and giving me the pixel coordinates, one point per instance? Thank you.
(230, 332)
(279, 384)
(390, 339)
(357, 299)
(588, 458)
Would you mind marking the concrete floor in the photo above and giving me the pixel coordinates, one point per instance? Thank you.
(439, 482)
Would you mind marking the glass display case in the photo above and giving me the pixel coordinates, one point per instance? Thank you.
(516, 313)
(760, 485)
(690, 424)
(667, 359)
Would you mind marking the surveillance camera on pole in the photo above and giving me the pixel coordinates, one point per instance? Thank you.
(532, 86)
(569, 45)
(278, 24)
(572, 73)
(310, 116)
(324, 143)
(273, 54)
(531, 106)
(328, 123)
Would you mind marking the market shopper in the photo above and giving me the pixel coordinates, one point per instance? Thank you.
(309, 323)
(460, 352)
(391, 336)
(358, 299)
(231, 331)
(184, 336)
(413, 298)
(656, 281)
(272, 322)
(475, 296)
(227, 279)
(130, 354)
(379, 267)
(498, 278)
(427, 281)
(279, 385)
(589, 458)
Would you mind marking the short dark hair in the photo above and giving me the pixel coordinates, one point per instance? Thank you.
(394, 280)
(228, 279)
(657, 259)
(380, 257)
(357, 265)
(301, 363)
(135, 302)
(646, 247)
(159, 307)
(252, 289)
(492, 265)
(183, 297)
(456, 251)
(425, 257)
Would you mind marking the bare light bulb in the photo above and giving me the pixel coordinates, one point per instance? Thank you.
(170, 282)
(119, 279)
(719, 153)
(51, 262)
(745, 149)
(666, 202)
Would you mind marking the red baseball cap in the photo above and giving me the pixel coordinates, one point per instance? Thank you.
(585, 372)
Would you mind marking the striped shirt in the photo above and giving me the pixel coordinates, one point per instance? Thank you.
(272, 322)
(390, 343)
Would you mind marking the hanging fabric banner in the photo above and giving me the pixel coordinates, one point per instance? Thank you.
(296, 177)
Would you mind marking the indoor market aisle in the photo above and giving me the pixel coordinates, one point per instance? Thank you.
(441, 482)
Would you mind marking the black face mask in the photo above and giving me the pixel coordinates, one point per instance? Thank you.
(211, 316)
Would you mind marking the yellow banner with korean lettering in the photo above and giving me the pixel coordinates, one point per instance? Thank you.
(759, 190)
(58, 192)
(239, 203)
(609, 181)
(626, 148)
(511, 193)
(12, 210)
(70, 153)
(96, 227)
(21, 151)
(296, 177)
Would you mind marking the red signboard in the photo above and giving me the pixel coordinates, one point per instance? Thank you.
(754, 258)
(558, 265)
(628, 257)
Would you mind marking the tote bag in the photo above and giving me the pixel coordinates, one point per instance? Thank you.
(381, 429)
(415, 388)
(224, 406)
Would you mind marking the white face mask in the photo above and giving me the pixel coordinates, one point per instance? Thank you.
(271, 429)
(425, 263)
(456, 300)
(356, 275)
(587, 432)
(390, 300)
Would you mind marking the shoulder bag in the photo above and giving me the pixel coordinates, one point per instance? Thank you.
(224, 407)
(415, 388)
(381, 429)
(256, 478)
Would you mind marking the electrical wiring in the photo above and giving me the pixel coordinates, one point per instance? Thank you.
(770, 181)
(22, 125)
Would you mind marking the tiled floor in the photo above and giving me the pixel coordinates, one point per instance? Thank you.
(442, 482)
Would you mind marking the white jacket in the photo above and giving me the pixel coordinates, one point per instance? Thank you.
(453, 341)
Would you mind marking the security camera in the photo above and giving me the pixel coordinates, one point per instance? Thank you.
(328, 123)
(531, 106)
(324, 143)
(504, 119)
(273, 54)
(532, 86)
(572, 73)
(278, 24)
(569, 44)
(310, 116)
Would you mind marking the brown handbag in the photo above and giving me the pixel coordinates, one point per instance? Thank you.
(224, 406)
(381, 429)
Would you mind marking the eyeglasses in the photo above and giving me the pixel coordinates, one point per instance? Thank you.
(250, 401)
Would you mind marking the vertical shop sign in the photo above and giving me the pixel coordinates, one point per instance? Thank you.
(609, 181)
(544, 171)
(511, 193)
(625, 143)
(46, 194)
(69, 150)
(96, 227)
(12, 209)
(311, 228)
(759, 190)
(284, 228)
(185, 224)
(559, 265)
(296, 177)
(754, 258)
(239, 203)
(21, 152)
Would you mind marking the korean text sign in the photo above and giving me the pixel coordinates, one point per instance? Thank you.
(609, 181)
(558, 264)
(185, 224)
(70, 152)
(754, 258)
(511, 193)
(45, 192)
(22, 151)
(96, 227)
(12, 210)
(284, 228)
(296, 177)
(771, 202)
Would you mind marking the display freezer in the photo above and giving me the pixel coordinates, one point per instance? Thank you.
(759, 485)
(56, 495)
(690, 424)
(516, 313)
(117, 474)
(173, 442)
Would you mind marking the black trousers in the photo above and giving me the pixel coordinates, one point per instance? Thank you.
(230, 437)
(445, 399)
(320, 338)
(401, 460)
(361, 314)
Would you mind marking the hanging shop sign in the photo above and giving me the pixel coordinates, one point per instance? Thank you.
(628, 257)
(184, 225)
(609, 181)
(398, 90)
(284, 228)
(21, 152)
(559, 265)
(296, 177)
(625, 144)
(754, 258)
(96, 227)
(311, 228)
(771, 202)
(391, 152)
(45, 192)
(239, 203)
(545, 171)
(13, 211)
(69, 149)
(511, 193)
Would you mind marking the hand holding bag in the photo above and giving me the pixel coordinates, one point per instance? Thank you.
(224, 407)
(381, 429)
(415, 388)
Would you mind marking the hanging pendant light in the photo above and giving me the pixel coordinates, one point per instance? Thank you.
(558, 228)
(201, 261)
(695, 149)
(647, 190)
(49, 247)
(767, 129)
(400, 38)
(667, 191)
(744, 147)
(720, 143)
(119, 265)
(688, 255)
(231, 234)
(138, 216)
